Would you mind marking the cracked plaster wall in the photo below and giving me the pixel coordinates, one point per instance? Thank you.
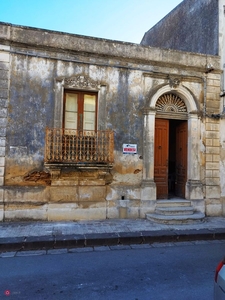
(32, 90)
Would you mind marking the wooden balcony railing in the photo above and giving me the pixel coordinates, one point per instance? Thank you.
(75, 146)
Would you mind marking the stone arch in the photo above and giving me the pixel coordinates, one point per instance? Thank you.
(180, 91)
(170, 102)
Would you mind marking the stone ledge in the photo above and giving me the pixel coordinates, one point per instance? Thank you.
(196, 217)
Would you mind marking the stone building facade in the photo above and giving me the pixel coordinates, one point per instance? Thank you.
(94, 129)
(198, 27)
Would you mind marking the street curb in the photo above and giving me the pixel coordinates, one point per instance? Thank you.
(108, 239)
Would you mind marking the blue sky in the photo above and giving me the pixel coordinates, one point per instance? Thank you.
(123, 20)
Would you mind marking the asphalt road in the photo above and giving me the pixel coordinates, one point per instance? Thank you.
(164, 271)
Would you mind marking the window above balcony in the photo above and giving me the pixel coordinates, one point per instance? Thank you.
(79, 138)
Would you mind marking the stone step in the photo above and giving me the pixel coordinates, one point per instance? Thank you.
(174, 210)
(196, 217)
(173, 202)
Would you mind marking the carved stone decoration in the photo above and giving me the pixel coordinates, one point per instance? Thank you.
(174, 82)
(81, 82)
(170, 103)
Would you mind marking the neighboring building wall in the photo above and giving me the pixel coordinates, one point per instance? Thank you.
(192, 26)
(129, 79)
(221, 40)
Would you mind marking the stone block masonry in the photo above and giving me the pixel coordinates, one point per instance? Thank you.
(212, 142)
(212, 178)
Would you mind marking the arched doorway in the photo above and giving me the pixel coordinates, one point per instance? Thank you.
(177, 106)
(170, 147)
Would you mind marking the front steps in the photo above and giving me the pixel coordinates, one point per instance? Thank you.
(175, 211)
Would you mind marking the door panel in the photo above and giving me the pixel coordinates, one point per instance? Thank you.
(161, 157)
(181, 159)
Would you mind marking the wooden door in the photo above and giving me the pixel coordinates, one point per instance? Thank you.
(181, 159)
(161, 157)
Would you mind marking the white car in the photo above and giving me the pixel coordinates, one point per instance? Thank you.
(219, 284)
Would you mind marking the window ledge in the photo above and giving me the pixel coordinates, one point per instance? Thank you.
(85, 166)
(56, 168)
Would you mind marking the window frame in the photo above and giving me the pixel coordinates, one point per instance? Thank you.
(80, 108)
(79, 83)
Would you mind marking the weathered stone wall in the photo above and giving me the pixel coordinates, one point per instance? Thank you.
(25, 151)
(192, 26)
(130, 75)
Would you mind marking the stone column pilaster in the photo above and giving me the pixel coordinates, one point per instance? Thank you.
(148, 184)
(194, 188)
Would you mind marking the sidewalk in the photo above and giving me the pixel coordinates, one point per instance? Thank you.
(49, 235)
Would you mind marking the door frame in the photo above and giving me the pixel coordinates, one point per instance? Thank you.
(194, 188)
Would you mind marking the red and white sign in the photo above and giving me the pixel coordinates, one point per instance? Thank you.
(129, 149)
